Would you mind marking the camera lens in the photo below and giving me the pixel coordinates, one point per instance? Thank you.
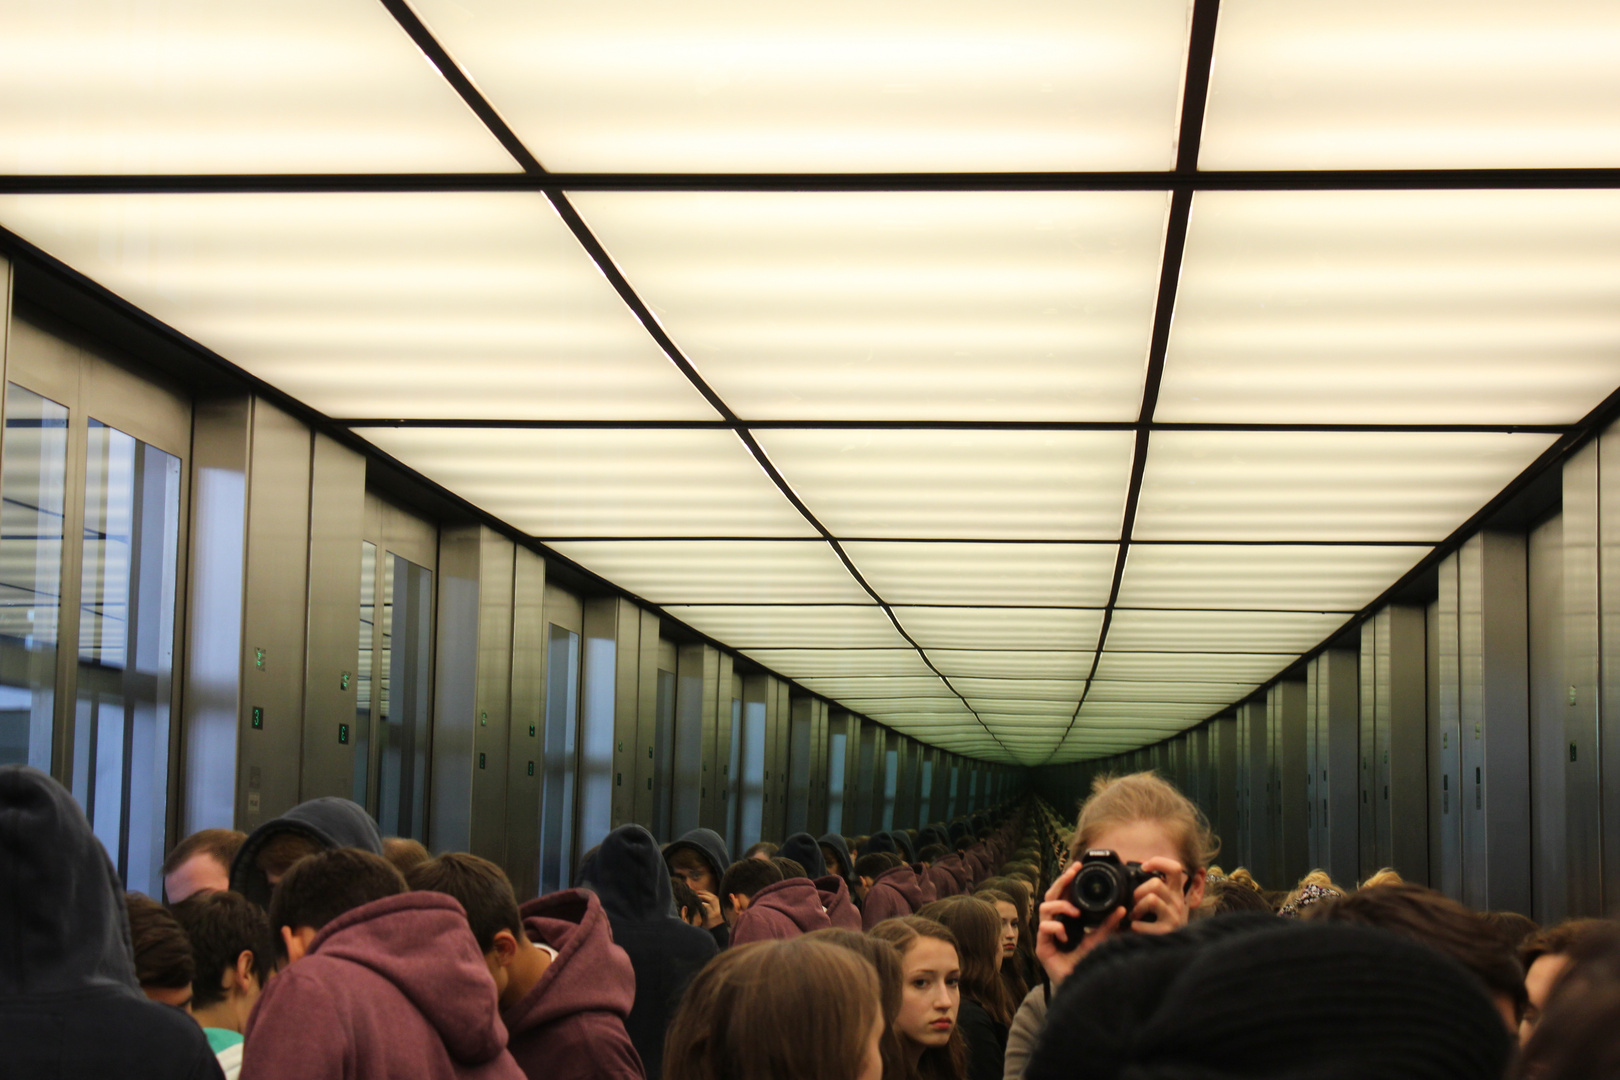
(1096, 888)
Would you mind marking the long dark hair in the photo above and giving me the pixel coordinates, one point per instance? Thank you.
(977, 926)
(891, 981)
(948, 1062)
(1012, 967)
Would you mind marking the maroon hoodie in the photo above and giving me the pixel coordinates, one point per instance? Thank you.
(954, 865)
(841, 911)
(894, 893)
(570, 1025)
(945, 883)
(394, 988)
(785, 909)
(925, 884)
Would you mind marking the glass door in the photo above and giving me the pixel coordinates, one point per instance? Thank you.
(394, 683)
(92, 482)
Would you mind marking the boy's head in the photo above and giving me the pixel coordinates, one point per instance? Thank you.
(320, 887)
(163, 961)
(689, 865)
(201, 862)
(233, 947)
(870, 867)
(743, 880)
(687, 902)
(931, 854)
(485, 894)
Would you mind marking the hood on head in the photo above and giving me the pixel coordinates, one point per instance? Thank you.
(710, 845)
(837, 842)
(590, 973)
(421, 943)
(803, 849)
(628, 874)
(331, 822)
(957, 831)
(798, 899)
(903, 879)
(902, 845)
(61, 903)
(879, 842)
(841, 911)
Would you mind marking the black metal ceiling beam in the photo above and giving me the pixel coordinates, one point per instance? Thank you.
(532, 168)
(1194, 98)
(735, 424)
(1226, 180)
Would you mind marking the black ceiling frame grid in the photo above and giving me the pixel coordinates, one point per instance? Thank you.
(1194, 100)
(453, 73)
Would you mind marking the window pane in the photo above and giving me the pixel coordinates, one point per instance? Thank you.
(557, 796)
(752, 811)
(891, 780)
(363, 670)
(33, 479)
(405, 637)
(664, 757)
(837, 752)
(126, 648)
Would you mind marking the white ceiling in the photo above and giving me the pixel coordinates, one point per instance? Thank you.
(908, 440)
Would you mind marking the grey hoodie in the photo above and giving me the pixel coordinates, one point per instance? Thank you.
(331, 822)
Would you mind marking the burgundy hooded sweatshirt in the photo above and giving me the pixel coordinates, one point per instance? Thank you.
(954, 865)
(570, 1025)
(394, 988)
(925, 884)
(841, 910)
(784, 909)
(893, 894)
(944, 882)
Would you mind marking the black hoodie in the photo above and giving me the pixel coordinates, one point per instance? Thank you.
(628, 874)
(903, 846)
(711, 848)
(331, 822)
(806, 851)
(69, 1002)
(837, 842)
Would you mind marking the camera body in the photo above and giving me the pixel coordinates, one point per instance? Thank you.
(1105, 882)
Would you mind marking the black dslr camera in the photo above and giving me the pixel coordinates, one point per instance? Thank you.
(1103, 884)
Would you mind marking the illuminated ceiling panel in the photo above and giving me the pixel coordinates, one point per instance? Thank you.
(1313, 485)
(475, 306)
(1059, 690)
(1008, 628)
(1361, 307)
(1266, 576)
(841, 663)
(787, 626)
(189, 86)
(1204, 631)
(899, 306)
(1072, 575)
(1388, 84)
(720, 571)
(1012, 663)
(1048, 485)
(553, 483)
(871, 687)
(840, 86)
(1152, 666)
(1214, 693)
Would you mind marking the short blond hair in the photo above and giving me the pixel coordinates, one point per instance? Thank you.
(1144, 796)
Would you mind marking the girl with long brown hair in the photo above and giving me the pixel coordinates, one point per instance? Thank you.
(987, 1008)
(891, 982)
(798, 1009)
(931, 997)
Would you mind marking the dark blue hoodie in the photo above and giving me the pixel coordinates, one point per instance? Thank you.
(710, 846)
(902, 845)
(331, 822)
(69, 1002)
(805, 850)
(628, 874)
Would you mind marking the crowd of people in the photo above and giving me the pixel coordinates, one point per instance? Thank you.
(316, 947)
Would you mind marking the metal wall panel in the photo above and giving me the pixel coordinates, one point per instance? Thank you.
(776, 809)
(493, 733)
(1366, 753)
(336, 518)
(1198, 757)
(525, 758)
(1549, 757)
(697, 688)
(1447, 730)
(611, 685)
(1337, 691)
(1403, 704)
(276, 565)
(1437, 804)
(865, 794)
(1258, 814)
(1286, 702)
(1493, 660)
(649, 654)
(801, 731)
(717, 750)
(1243, 804)
(1609, 658)
(1584, 824)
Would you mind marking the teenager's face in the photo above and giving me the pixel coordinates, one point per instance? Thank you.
(1139, 841)
(1009, 927)
(686, 865)
(872, 1057)
(932, 993)
(1538, 983)
(834, 864)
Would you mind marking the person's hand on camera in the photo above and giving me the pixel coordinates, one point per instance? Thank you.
(1161, 903)
(1052, 934)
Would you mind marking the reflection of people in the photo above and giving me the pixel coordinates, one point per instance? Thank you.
(234, 951)
(69, 1001)
(931, 1002)
(700, 858)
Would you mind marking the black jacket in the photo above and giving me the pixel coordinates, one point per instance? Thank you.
(69, 1002)
(803, 849)
(986, 1041)
(331, 822)
(711, 847)
(628, 874)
